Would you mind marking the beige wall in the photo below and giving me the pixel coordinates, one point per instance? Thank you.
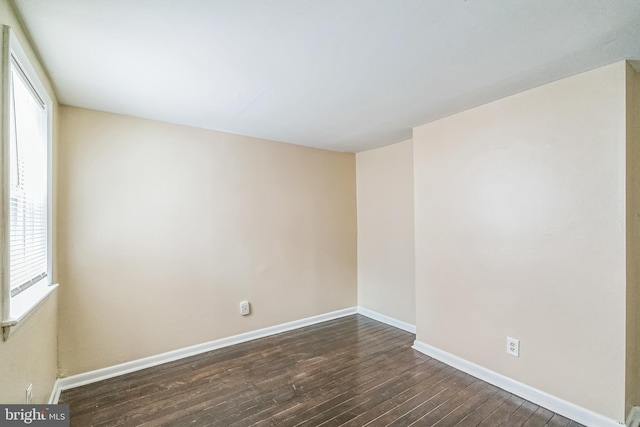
(633, 240)
(164, 229)
(30, 354)
(385, 231)
(520, 232)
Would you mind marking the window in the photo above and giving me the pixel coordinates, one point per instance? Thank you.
(28, 184)
(26, 188)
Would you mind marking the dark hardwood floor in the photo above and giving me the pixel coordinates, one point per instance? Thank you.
(352, 371)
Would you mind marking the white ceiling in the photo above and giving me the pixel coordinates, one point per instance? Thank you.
(345, 75)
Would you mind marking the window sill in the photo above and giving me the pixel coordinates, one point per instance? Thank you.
(25, 303)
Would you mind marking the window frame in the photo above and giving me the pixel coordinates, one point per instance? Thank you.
(14, 310)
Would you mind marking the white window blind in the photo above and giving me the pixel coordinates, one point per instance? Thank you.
(28, 184)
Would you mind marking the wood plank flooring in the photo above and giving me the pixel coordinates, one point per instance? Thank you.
(352, 371)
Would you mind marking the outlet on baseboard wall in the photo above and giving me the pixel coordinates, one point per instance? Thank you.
(245, 308)
(513, 347)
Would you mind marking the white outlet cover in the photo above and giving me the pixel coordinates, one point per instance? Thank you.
(245, 308)
(29, 397)
(513, 347)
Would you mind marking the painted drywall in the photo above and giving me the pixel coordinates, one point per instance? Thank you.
(164, 229)
(385, 231)
(520, 232)
(30, 354)
(633, 240)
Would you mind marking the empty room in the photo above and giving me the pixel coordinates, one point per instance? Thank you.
(320, 213)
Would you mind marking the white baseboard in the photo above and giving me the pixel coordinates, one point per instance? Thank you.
(55, 393)
(147, 362)
(387, 319)
(555, 404)
(633, 419)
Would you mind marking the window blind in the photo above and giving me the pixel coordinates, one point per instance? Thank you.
(28, 185)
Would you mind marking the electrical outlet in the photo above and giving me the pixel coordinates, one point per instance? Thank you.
(29, 396)
(245, 308)
(513, 347)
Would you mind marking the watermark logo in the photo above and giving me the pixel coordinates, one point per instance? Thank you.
(34, 415)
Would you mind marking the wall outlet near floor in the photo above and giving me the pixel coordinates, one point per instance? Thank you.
(513, 346)
(245, 308)
(29, 397)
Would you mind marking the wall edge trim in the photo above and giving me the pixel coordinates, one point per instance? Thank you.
(539, 397)
(391, 321)
(85, 378)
